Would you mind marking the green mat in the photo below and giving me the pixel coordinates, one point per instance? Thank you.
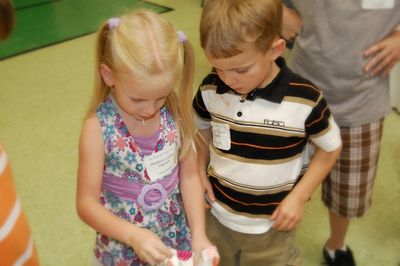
(40, 23)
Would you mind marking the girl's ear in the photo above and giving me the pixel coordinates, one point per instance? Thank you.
(106, 75)
(277, 48)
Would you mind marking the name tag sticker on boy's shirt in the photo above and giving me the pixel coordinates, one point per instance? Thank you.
(221, 136)
(161, 163)
(377, 4)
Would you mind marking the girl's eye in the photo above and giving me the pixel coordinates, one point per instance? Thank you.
(135, 100)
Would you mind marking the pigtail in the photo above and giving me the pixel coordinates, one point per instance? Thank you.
(185, 121)
(103, 56)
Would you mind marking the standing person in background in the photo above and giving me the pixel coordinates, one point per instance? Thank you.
(7, 17)
(256, 117)
(347, 48)
(138, 173)
(16, 243)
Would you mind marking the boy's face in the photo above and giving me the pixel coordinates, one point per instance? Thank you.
(246, 71)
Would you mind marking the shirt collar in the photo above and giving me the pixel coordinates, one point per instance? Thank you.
(274, 91)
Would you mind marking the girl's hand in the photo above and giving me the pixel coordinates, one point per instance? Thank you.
(149, 247)
(288, 214)
(383, 55)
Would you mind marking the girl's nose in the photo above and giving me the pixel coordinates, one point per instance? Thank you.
(150, 110)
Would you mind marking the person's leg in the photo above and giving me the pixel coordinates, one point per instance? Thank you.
(273, 248)
(348, 189)
(338, 226)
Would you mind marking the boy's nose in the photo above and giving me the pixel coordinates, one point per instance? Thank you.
(228, 79)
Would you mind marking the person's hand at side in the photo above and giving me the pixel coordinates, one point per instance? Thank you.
(383, 55)
(291, 24)
(288, 214)
(204, 159)
(290, 211)
(208, 192)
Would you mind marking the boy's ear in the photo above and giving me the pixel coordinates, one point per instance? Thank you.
(106, 75)
(277, 48)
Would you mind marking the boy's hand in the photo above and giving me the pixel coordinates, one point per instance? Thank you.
(288, 214)
(210, 197)
(149, 247)
(384, 55)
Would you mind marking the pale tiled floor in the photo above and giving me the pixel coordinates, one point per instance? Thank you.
(43, 95)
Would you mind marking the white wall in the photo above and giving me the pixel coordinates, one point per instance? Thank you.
(395, 86)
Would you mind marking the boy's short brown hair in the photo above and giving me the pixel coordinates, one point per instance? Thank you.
(6, 18)
(228, 27)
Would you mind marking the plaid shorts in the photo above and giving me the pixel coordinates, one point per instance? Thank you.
(347, 191)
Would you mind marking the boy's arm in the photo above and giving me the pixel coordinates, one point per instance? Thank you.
(290, 211)
(192, 197)
(204, 159)
(91, 159)
(203, 119)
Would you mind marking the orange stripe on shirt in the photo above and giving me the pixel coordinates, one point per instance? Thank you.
(7, 195)
(266, 148)
(303, 84)
(16, 233)
(243, 203)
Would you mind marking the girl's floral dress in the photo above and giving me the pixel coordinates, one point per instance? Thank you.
(124, 160)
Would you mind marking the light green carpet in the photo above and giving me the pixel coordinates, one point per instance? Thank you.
(43, 96)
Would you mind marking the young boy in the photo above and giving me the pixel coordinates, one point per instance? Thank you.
(257, 116)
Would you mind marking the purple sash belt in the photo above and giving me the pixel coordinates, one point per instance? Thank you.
(149, 196)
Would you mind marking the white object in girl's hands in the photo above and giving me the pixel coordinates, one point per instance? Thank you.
(208, 257)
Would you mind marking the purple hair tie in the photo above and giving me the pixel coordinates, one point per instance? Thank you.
(182, 37)
(113, 23)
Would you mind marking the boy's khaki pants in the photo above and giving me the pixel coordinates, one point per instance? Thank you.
(273, 248)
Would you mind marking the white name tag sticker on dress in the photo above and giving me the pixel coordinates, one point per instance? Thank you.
(161, 163)
(377, 4)
(221, 136)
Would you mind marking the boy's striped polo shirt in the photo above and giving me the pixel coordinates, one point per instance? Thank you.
(259, 141)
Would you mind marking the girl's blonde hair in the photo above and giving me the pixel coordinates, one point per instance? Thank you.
(228, 27)
(7, 18)
(146, 44)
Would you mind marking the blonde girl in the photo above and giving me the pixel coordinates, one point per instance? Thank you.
(138, 183)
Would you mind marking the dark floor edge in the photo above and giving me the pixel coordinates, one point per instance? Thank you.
(45, 46)
(168, 9)
(35, 5)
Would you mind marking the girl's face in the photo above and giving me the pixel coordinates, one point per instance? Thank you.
(248, 70)
(140, 98)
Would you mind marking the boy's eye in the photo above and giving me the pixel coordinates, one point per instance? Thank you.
(241, 70)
